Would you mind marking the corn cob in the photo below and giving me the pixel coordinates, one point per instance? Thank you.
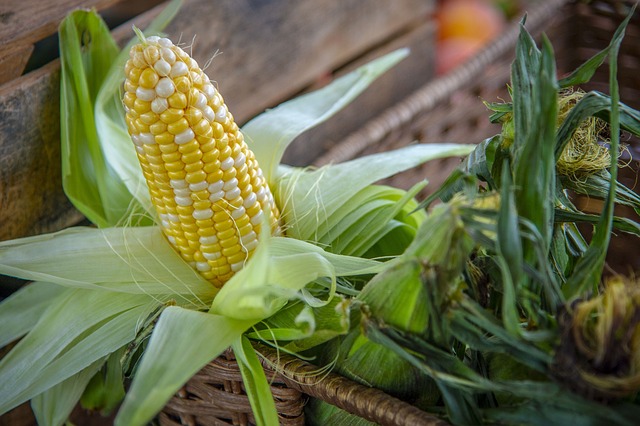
(205, 183)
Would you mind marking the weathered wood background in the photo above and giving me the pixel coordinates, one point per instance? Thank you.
(268, 51)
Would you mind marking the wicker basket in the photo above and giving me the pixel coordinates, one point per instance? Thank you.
(215, 396)
(447, 109)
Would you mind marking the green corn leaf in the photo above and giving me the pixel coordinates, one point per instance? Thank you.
(510, 253)
(295, 321)
(279, 269)
(398, 296)
(620, 223)
(269, 134)
(335, 228)
(53, 406)
(132, 260)
(368, 220)
(182, 342)
(20, 312)
(535, 111)
(266, 283)
(585, 71)
(75, 331)
(382, 223)
(341, 264)
(255, 383)
(589, 267)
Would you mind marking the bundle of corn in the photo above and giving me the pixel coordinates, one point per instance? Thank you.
(190, 255)
(522, 331)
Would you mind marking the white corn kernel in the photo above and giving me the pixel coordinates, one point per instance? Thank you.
(184, 137)
(165, 87)
(145, 94)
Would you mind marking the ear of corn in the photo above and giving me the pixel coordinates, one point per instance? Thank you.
(208, 190)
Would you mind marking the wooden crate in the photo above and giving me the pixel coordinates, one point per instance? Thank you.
(268, 51)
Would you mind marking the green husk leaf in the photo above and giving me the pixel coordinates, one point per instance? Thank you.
(182, 342)
(255, 383)
(382, 223)
(310, 198)
(305, 327)
(398, 296)
(133, 260)
(369, 218)
(266, 283)
(88, 181)
(342, 265)
(20, 312)
(336, 227)
(278, 270)
(271, 132)
(535, 111)
(105, 390)
(80, 328)
(53, 406)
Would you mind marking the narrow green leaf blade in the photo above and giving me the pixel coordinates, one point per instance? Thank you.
(269, 134)
(255, 383)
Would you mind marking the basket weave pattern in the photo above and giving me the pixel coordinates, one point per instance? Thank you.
(216, 396)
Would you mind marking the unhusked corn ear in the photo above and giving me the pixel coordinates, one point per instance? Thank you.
(206, 185)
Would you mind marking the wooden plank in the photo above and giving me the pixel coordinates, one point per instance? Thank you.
(271, 50)
(28, 21)
(31, 196)
(12, 62)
